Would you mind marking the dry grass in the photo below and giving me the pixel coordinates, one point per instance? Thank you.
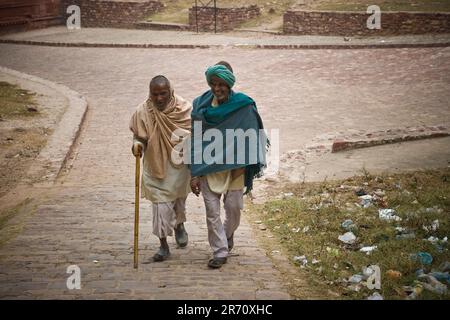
(419, 198)
(14, 102)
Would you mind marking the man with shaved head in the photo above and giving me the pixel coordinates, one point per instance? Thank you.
(158, 125)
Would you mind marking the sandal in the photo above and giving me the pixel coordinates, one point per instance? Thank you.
(181, 236)
(216, 263)
(161, 255)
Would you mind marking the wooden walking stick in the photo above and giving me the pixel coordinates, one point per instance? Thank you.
(136, 211)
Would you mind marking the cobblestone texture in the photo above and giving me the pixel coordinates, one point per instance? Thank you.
(88, 215)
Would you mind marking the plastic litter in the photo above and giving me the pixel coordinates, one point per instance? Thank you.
(368, 250)
(424, 257)
(388, 215)
(432, 227)
(348, 238)
(348, 225)
(357, 278)
(366, 200)
(301, 259)
(432, 284)
(441, 276)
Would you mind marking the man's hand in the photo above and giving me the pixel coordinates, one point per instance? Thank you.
(137, 149)
(195, 185)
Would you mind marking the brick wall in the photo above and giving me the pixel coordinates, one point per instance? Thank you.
(354, 23)
(227, 18)
(112, 14)
(21, 15)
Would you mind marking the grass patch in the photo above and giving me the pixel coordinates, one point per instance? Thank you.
(307, 221)
(15, 102)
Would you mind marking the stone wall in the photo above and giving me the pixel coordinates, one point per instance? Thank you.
(355, 23)
(227, 18)
(112, 14)
(22, 15)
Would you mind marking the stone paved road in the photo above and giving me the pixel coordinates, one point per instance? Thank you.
(88, 216)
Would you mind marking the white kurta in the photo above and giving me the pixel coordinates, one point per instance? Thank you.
(175, 185)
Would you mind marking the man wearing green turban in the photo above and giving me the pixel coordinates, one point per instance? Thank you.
(223, 109)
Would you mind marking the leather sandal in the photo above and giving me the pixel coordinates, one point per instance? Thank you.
(216, 263)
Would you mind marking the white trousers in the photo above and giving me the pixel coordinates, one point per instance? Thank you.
(166, 215)
(218, 233)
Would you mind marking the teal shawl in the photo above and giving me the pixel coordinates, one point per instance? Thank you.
(239, 112)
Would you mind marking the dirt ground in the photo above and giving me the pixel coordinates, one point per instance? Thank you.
(24, 133)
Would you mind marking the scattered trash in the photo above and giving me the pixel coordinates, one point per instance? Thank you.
(357, 278)
(368, 250)
(401, 230)
(301, 259)
(335, 266)
(393, 274)
(95, 261)
(367, 272)
(360, 192)
(433, 240)
(432, 284)
(348, 225)
(413, 292)
(258, 221)
(296, 230)
(441, 276)
(315, 261)
(305, 229)
(348, 238)
(388, 215)
(275, 251)
(375, 296)
(380, 193)
(366, 200)
(425, 257)
(433, 227)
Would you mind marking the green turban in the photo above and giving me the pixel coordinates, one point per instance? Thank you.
(221, 72)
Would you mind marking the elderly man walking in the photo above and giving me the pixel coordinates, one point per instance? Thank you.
(221, 110)
(157, 124)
